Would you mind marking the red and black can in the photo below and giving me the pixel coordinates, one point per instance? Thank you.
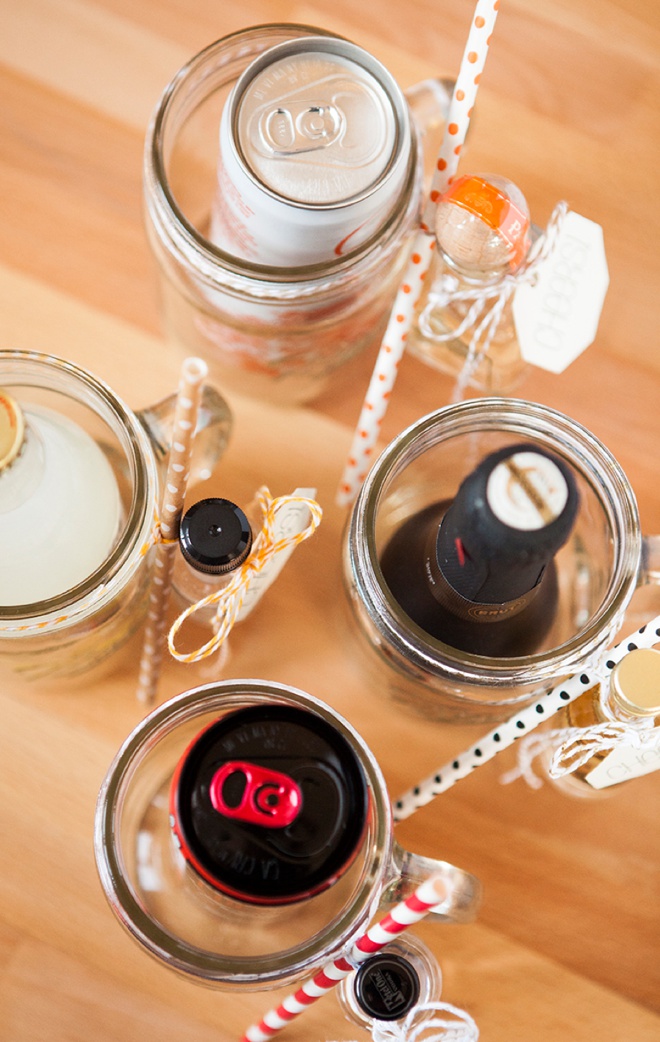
(269, 804)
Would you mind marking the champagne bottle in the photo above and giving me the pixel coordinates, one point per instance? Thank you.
(478, 572)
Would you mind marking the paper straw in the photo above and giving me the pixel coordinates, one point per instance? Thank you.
(193, 373)
(427, 896)
(522, 723)
(392, 347)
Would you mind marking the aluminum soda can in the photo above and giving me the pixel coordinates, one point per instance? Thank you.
(315, 153)
(269, 804)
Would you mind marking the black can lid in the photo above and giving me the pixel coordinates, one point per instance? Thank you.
(386, 986)
(269, 804)
(215, 536)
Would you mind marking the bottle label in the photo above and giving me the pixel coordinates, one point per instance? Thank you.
(557, 315)
(625, 762)
(462, 608)
(526, 491)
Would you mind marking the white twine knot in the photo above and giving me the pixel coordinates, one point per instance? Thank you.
(484, 315)
(229, 599)
(580, 744)
(447, 1024)
(450, 1024)
(573, 747)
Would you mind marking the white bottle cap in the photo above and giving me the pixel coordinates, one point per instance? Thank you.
(527, 491)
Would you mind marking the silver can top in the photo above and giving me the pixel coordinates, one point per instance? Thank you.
(317, 121)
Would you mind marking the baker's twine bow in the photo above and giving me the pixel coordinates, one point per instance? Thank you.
(488, 302)
(229, 599)
(447, 1024)
(573, 747)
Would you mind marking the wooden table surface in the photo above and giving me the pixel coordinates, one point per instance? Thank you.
(566, 943)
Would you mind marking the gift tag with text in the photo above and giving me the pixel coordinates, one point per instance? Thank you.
(626, 762)
(557, 315)
(291, 519)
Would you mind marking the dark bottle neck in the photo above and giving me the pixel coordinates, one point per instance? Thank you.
(468, 608)
(483, 551)
(215, 536)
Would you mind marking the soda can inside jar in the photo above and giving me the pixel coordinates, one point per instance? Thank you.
(315, 147)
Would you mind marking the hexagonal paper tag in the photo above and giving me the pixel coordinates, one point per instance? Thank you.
(557, 315)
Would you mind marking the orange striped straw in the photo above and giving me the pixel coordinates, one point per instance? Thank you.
(401, 317)
(193, 374)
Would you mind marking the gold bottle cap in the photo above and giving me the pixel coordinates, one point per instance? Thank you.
(635, 683)
(12, 428)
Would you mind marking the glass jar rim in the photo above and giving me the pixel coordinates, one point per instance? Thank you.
(183, 238)
(224, 970)
(41, 369)
(558, 432)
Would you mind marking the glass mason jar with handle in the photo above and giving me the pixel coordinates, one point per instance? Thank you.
(244, 835)
(279, 329)
(598, 569)
(79, 493)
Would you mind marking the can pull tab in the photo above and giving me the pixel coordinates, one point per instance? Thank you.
(300, 127)
(255, 794)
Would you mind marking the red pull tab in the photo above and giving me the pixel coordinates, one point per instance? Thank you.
(264, 797)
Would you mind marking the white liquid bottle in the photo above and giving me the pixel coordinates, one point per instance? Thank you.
(60, 506)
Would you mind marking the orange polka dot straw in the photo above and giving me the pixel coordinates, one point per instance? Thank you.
(401, 317)
(193, 374)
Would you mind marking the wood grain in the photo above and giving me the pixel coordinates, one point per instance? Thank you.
(566, 944)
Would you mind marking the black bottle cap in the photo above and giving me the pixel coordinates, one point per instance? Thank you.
(269, 804)
(215, 536)
(386, 987)
(508, 519)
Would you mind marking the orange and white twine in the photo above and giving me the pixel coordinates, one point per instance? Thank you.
(428, 895)
(193, 374)
(228, 600)
(401, 317)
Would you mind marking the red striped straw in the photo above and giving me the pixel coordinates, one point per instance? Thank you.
(401, 317)
(427, 896)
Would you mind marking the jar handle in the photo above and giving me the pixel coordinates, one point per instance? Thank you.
(464, 890)
(214, 425)
(429, 102)
(649, 568)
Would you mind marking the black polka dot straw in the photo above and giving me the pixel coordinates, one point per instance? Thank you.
(529, 718)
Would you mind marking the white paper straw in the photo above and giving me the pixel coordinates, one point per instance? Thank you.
(400, 321)
(193, 373)
(522, 723)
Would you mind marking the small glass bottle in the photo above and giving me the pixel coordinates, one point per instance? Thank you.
(60, 506)
(215, 537)
(477, 572)
(483, 235)
(391, 983)
(631, 695)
